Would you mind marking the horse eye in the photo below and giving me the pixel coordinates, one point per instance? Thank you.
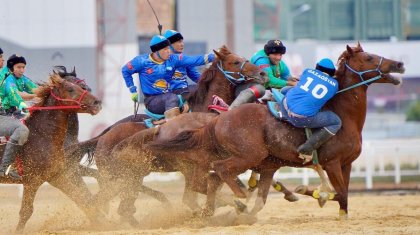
(70, 89)
(237, 62)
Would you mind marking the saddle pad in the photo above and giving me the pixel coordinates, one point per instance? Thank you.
(278, 96)
(274, 109)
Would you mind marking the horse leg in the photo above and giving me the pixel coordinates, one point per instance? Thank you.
(325, 188)
(127, 208)
(335, 173)
(189, 197)
(81, 195)
(27, 207)
(288, 195)
(266, 178)
(214, 184)
(228, 169)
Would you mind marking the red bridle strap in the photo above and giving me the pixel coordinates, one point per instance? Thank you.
(61, 107)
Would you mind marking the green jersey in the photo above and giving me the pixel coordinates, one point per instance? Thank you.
(10, 87)
(277, 73)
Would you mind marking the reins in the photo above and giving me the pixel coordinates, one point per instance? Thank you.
(61, 107)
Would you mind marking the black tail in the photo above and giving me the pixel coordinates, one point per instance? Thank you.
(80, 149)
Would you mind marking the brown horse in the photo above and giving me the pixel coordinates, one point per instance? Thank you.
(250, 137)
(43, 155)
(132, 168)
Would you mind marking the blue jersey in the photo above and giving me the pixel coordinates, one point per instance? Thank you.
(155, 77)
(179, 79)
(312, 91)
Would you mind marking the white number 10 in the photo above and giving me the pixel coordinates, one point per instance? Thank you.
(318, 91)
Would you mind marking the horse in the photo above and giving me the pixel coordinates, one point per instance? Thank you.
(132, 167)
(250, 137)
(48, 124)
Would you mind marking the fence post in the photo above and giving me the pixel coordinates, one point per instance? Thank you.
(397, 167)
(305, 179)
(369, 165)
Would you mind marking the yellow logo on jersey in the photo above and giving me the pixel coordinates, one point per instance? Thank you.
(161, 84)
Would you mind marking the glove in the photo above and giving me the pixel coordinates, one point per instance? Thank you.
(135, 97)
(23, 107)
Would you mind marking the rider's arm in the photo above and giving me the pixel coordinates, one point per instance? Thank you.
(193, 74)
(127, 71)
(273, 81)
(12, 92)
(28, 89)
(181, 60)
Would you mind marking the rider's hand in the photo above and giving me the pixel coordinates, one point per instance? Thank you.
(135, 97)
(292, 81)
(23, 107)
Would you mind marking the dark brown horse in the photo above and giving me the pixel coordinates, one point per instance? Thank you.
(43, 154)
(250, 137)
(132, 167)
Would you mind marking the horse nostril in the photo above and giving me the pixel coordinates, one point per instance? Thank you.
(97, 102)
(262, 73)
(400, 65)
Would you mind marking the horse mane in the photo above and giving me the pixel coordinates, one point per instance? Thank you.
(44, 89)
(198, 96)
(344, 57)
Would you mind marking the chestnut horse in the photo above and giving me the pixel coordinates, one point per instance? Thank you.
(131, 167)
(250, 137)
(43, 155)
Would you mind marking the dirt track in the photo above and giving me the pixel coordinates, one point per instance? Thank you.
(369, 214)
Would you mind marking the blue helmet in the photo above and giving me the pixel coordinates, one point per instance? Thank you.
(158, 42)
(173, 36)
(327, 66)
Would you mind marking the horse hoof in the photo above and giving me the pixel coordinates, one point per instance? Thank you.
(291, 197)
(342, 215)
(323, 198)
(240, 207)
(301, 189)
(206, 213)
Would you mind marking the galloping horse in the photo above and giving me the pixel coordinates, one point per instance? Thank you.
(250, 137)
(228, 69)
(43, 155)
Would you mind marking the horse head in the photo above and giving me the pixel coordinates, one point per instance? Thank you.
(71, 76)
(67, 96)
(237, 69)
(367, 66)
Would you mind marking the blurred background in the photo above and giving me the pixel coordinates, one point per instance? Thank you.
(99, 36)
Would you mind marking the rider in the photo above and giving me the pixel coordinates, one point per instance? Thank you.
(269, 60)
(303, 102)
(179, 84)
(14, 89)
(155, 72)
(3, 71)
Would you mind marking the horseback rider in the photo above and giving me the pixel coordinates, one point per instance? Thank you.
(179, 84)
(155, 73)
(302, 104)
(14, 90)
(269, 60)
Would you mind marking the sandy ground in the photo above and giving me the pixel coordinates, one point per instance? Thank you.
(384, 213)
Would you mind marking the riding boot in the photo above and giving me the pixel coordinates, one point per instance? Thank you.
(171, 113)
(9, 156)
(314, 142)
(246, 96)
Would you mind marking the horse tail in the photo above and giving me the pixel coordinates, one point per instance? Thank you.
(190, 139)
(85, 147)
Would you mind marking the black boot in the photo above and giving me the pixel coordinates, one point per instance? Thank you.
(314, 142)
(9, 156)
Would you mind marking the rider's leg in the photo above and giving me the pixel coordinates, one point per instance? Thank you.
(247, 93)
(18, 136)
(329, 123)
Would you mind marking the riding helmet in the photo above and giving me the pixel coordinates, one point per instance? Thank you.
(158, 42)
(1, 51)
(15, 59)
(327, 66)
(173, 36)
(274, 47)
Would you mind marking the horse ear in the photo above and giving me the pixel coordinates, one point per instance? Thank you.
(219, 55)
(359, 46)
(349, 50)
(74, 71)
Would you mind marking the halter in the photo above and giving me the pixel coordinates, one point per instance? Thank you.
(230, 78)
(61, 107)
(364, 82)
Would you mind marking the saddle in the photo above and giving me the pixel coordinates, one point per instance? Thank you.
(158, 119)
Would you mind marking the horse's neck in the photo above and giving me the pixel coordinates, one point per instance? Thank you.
(219, 86)
(50, 125)
(350, 105)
